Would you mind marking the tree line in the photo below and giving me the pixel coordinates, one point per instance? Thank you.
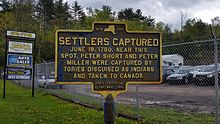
(44, 17)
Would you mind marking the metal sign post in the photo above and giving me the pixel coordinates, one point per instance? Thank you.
(4, 84)
(109, 57)
(137, 101)
(33, 74)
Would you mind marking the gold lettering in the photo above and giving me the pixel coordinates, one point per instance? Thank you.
(68, 40)
(61, 41)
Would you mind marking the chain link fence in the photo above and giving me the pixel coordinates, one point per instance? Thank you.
(187, 94)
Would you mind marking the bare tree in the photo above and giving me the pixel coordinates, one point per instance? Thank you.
(183, 16)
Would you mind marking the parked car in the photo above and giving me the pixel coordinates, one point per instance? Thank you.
(49, 81)
(167, 71)
(206, 76)
(180, 76)
(195, 70)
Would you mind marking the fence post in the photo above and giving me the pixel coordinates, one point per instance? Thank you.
(46, 72)
(101, 105)
(137, 101)
(45, 63)
(216, 75)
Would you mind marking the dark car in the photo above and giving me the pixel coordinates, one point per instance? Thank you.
(167, 71)
(206, 76)
(194, 71)
(180, 76)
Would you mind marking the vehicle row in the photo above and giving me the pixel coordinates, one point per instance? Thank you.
(199, 75)
(47, 81)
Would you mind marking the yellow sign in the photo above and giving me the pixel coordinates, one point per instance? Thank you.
(19, 47)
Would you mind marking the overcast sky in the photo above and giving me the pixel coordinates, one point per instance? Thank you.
(167, 11)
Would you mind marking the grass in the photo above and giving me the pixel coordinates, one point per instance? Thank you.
(19, 107)
(78, 97)
(150, 115)
(167, 116)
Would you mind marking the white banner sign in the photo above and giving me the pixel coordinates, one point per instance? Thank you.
(21, 34)
(20, 47)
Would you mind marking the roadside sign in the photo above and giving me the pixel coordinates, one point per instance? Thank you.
(16, 60)
(19, 56)
(109, 57)
(19, 47)
(19, 74)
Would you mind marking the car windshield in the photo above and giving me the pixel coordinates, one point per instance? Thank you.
(210, 68)
(197, 68)
(182, 71)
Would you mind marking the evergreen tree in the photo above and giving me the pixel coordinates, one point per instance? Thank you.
(167, 34)
(45, 9)
(105, 14)
(126, 14)
(61, 10)
(77, 12)
(5, 6)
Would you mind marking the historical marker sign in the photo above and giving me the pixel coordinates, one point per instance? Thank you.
(108, 56)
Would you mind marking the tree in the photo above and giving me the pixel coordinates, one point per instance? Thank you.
(5, 5)
(77, 12)
(7, 21)
(149, 20)
(183, 17)
(23, 11)
(136, 20)
(46, 9)
(105, 14)
(216, 26)
(167, 34)
(138, 15)
(61, 10)
(126, 14)
(195, 28)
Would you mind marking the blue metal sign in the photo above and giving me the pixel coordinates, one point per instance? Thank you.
(15, 60)
(19, 74)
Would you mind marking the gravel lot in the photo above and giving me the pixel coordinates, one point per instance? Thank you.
(187, 98)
